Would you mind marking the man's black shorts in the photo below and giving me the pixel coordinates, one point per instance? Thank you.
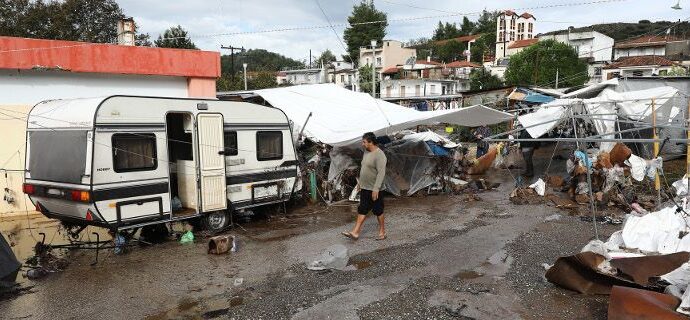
(366, 203)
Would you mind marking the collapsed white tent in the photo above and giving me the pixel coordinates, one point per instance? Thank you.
(340, 116)
(604, 109)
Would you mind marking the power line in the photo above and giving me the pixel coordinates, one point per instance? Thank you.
(345, 24)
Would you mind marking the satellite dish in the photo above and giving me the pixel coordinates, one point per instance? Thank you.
(677, 6)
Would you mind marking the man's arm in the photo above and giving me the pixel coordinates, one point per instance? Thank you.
(380, 172)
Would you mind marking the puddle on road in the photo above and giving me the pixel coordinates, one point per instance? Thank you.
(359, 265)
(208, 308)
(236, 301)
(468, 275)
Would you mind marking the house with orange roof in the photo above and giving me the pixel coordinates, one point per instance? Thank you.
(648, 45)
(640, 66)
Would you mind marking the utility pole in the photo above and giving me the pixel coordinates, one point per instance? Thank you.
(309, 58)
(232, 59)
(244, 66)
(373, 68)
(556, 78)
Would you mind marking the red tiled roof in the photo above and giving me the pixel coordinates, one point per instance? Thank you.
(432, 62)
(646, 41)
(641, 61)
(391, 70)
(522, 43)
(461, 64)
(468, 38)
(488, 58)
(281, 74)
(527, 15)
(24, 53)
(509, 13)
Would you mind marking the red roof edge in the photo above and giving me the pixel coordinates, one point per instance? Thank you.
(25, 53)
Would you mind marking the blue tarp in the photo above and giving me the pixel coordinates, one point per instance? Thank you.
(534, 97)
(437, 150)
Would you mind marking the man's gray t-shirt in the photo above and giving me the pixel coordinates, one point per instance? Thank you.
(373, 170)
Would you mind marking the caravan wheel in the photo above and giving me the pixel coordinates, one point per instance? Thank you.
(217, 220)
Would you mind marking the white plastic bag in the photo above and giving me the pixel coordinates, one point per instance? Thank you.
(334, 257)
(638, 167)
(539, 187)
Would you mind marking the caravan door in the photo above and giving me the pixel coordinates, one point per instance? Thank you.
(211, 162)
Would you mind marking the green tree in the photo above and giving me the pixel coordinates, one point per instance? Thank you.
(362, 29)
(482, 47)
(483, 79)
(450, 51)
(446, 31)
(486, 22)
(365, 74)
(93, 20)
(538, 65)
(175, 37)
(677, 71)
(77, 20)
(326, 57)
(467, 26)
(255, 81)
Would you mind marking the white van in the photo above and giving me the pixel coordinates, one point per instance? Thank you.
(124, 162)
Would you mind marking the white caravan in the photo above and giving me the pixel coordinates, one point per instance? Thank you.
(124, 162)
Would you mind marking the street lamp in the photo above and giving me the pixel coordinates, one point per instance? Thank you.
(373, 68)
(244, 66)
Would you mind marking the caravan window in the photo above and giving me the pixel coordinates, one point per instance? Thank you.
(269, 145)
(134, 152)
(230, 138)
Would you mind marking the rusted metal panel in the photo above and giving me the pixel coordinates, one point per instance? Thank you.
(640, 269)
(631, 304)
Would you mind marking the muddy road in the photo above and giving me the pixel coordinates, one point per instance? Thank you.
(445, 258)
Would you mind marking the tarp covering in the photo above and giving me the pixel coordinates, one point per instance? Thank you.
(527, 95)
(544, 119)
(9, 266)
(340, 116)
(410, 166)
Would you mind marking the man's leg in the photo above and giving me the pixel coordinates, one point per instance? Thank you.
(382, 226)
(528, 153)
(358, 225)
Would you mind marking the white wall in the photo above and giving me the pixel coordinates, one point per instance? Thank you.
(21, 90)
(28, 87)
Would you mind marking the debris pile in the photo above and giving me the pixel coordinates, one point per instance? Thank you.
(612, 178)
(650, 254)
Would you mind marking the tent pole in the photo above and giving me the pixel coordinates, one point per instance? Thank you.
(657, 180)
(589, 178)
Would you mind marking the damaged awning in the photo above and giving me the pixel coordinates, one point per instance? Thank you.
(340, 116)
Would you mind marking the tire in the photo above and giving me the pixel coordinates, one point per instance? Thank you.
(216, 221)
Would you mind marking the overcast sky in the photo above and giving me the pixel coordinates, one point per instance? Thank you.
(208, 20)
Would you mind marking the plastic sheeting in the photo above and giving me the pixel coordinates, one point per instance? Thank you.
(410, 166)
(656, 232)
(340, 116)
(608, 106)
(8, 262)
(543, 120)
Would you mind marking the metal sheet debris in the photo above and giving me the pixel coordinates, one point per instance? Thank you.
(630, 303)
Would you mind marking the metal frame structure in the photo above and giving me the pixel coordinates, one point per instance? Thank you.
(598, 138)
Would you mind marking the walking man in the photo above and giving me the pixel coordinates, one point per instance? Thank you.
(370, 182)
